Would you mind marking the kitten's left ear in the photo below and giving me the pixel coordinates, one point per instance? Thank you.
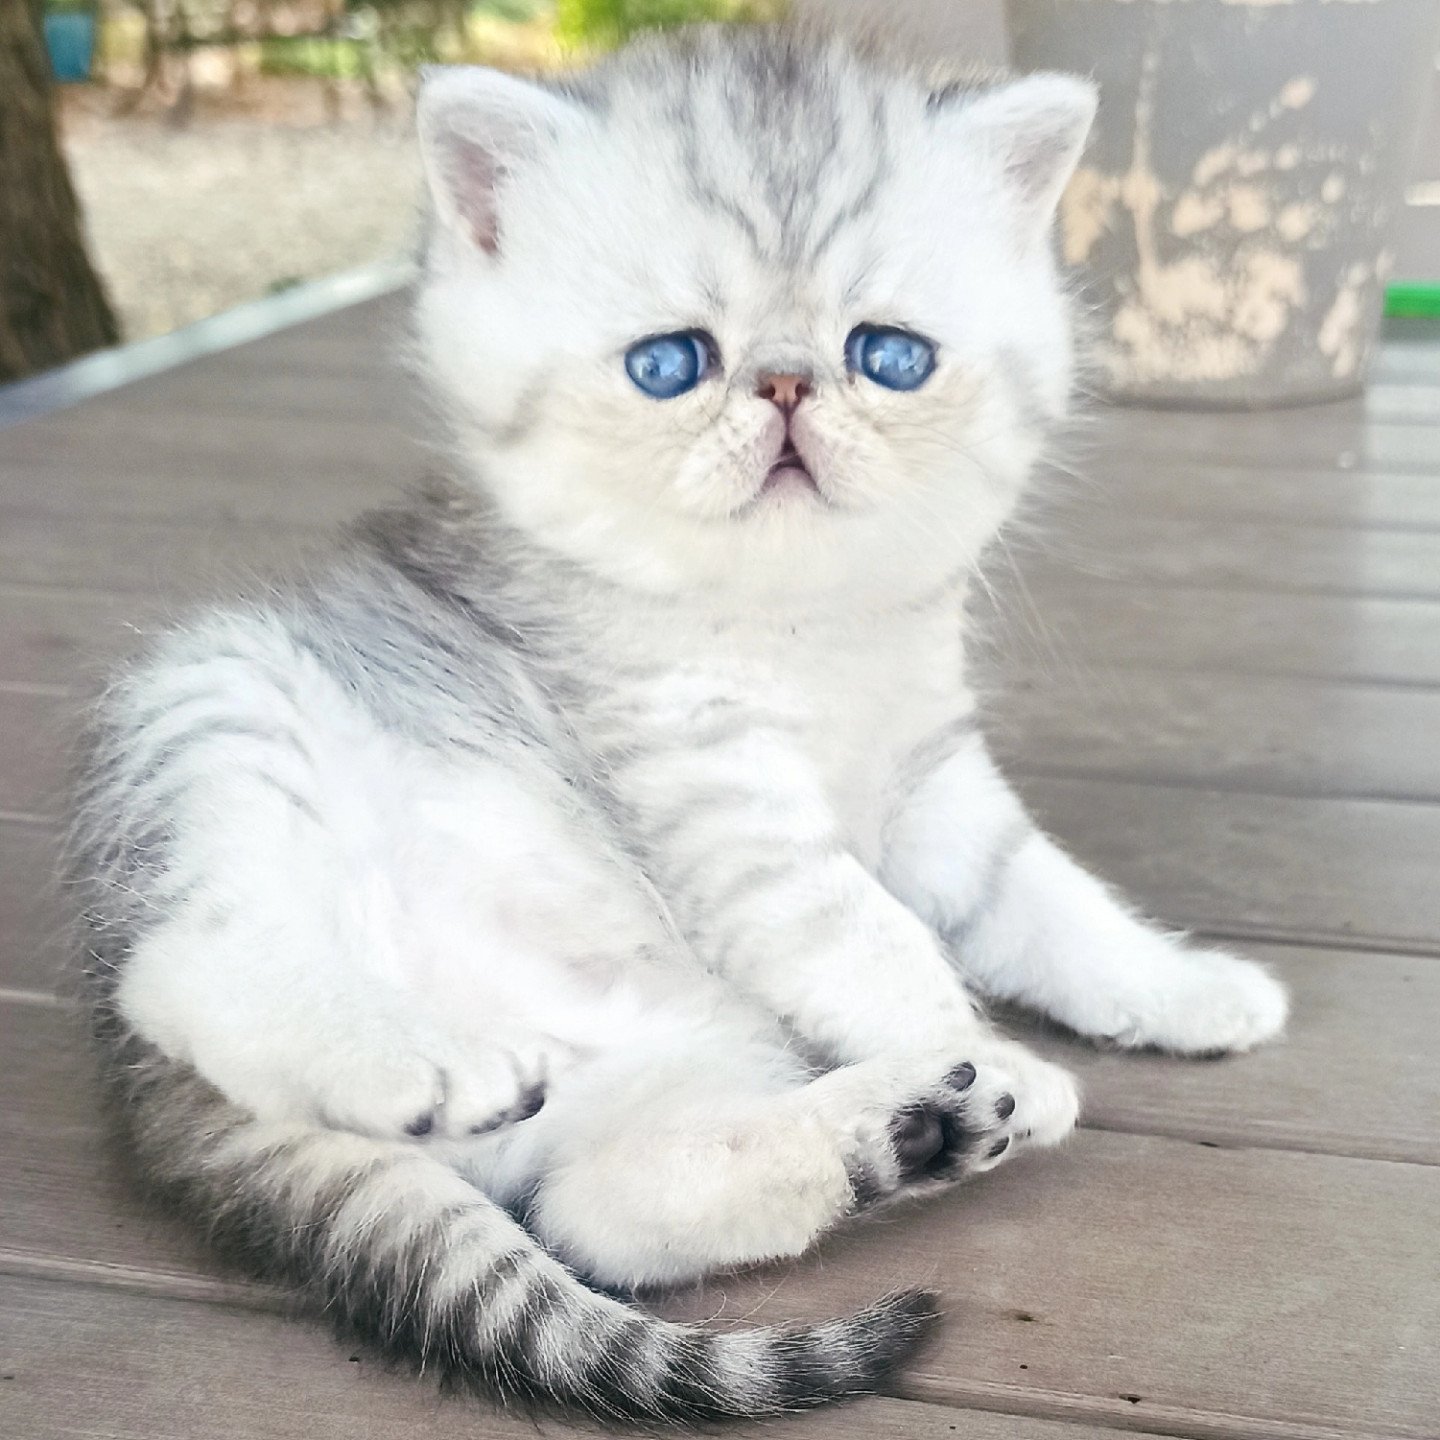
(1034, 128)
(478, 126)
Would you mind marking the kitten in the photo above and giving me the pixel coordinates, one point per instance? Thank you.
(586, 877)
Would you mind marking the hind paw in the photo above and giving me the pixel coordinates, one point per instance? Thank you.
(476, 1098)
(985, 1111)
(439, 1093)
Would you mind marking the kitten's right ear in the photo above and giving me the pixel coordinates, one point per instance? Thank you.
(1032, 131)
(476, 127)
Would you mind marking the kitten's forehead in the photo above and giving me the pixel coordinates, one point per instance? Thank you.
(786, 143)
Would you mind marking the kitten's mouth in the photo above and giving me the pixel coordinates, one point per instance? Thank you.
(789, 472)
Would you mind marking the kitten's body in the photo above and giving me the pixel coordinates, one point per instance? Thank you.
(611, 776)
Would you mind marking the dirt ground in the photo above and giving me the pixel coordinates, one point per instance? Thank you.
(253, 193)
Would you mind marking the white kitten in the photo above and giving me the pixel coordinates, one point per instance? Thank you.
(582, 878)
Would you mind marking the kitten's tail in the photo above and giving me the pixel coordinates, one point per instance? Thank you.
(405, 1255)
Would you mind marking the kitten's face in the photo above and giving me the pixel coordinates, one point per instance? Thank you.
(727, 324)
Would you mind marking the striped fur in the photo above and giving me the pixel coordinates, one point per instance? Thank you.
(398, 1252)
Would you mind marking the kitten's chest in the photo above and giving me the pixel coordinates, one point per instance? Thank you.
(866, 708)
(842, 706)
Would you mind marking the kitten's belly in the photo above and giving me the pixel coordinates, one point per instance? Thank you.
(521, 919)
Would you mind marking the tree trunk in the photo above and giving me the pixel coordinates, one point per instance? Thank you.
(52, 304)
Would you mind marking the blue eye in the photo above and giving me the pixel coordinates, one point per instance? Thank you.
(895, 359)
(668, 365)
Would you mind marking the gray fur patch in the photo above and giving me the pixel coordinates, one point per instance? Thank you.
(991, 891)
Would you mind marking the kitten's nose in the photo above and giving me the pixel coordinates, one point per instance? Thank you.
(783, 391)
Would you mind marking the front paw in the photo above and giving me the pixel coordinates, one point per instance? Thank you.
(1201, 1002)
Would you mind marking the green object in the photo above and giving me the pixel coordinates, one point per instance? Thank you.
(1412, 300)
(612, 22)
(320, 56)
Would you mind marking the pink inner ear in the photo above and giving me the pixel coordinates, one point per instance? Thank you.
(473, 174)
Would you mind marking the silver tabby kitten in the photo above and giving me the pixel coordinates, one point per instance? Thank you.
(586, 877)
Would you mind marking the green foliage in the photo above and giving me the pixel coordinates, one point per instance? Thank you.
(610, 22)
(517, 11)
(314, 55)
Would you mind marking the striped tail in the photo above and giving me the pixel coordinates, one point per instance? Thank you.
(409, 1258)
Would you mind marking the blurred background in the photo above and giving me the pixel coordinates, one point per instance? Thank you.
(219, 151)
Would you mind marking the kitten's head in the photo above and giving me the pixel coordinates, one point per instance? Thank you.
(746, 311)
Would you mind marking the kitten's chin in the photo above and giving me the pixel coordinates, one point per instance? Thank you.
(793, 544)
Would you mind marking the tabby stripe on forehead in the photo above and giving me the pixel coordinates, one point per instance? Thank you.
(864, 199)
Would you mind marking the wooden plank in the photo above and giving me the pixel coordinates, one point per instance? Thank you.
(368, 386)
(1128, 545)
(1392, 642)
(36, 735)
(1160, 1283)
(33, 950)
(96, 553)
(1332, 872)
(1117, 480)
(1245, 732)
(1355, 1074)
(219, 470)
(64, 1178)
(1413, 404)
(86, 1361)
(1322, 437)
(70, 639)
(1147, 1265)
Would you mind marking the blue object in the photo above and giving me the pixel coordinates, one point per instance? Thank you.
(668, 365)
(70, 39)
(893, 358)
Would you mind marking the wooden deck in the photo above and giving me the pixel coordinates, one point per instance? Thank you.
(1222, 663)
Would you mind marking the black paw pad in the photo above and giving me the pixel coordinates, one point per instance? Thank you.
(930, 1140)
(998, 1148)
(1005, 1106)
(962, 1077)
(530, 1103)
(421, 1125)
(919, 1139)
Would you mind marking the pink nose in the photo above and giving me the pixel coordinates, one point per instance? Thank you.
(784, 391)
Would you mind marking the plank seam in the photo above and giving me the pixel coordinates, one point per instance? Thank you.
(1125, 1413)
(134, 1279)
(1214, 785)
